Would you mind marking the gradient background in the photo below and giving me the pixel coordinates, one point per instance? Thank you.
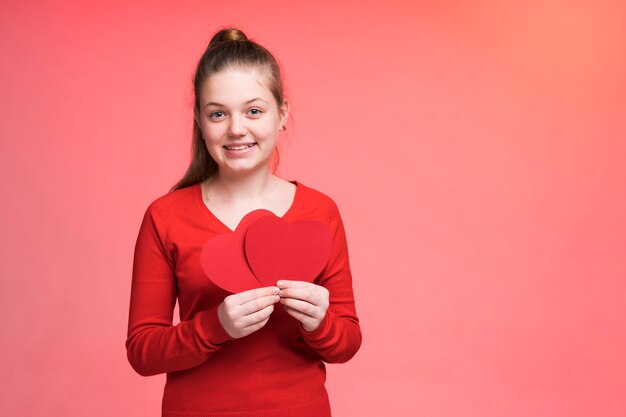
(476, 149)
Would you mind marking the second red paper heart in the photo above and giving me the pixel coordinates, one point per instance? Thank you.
(276, 249)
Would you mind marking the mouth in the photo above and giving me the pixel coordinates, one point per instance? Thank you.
(239, 147)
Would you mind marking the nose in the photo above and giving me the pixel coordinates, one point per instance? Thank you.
(237, 127)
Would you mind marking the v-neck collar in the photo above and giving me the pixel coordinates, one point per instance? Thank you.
(214, 219)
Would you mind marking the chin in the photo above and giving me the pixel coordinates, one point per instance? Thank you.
(244, 168)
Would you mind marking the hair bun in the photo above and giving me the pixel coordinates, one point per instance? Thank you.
(228, 34)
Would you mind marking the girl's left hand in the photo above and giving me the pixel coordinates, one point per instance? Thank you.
(305, 301)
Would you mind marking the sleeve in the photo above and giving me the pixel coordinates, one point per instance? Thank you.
(338, 337)
(153, 344)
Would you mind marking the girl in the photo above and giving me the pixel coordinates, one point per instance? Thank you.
(259, 352)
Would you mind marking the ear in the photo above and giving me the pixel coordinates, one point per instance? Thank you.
(284, 112)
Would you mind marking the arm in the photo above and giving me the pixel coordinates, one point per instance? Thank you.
(153, 344)
(337, 338)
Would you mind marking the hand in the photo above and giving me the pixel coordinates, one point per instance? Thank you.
(248, 311)
(305, 301)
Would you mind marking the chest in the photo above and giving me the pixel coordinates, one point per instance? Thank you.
(231, 213)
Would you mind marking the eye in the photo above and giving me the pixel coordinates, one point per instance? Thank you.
(255, 112)
(216, 115)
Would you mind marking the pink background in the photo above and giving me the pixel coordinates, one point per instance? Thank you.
(476, 149)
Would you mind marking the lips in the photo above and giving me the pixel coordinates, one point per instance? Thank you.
(239, 146)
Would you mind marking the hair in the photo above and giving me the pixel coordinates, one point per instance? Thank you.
(229, 48)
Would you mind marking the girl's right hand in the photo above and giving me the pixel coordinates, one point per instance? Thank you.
(246, 312)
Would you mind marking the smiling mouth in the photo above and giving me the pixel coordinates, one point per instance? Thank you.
(239, 147)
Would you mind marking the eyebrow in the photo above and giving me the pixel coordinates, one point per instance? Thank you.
(221, 105)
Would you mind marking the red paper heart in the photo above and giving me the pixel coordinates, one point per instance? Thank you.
(223, 258)
(276, 249)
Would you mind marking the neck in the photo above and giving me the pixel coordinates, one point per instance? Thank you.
(242, 187)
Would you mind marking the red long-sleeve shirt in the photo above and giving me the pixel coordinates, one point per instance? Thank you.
(276, 371)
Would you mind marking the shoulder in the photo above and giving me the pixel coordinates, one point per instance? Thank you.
(316, 205)
(161, 209)
(312, 196)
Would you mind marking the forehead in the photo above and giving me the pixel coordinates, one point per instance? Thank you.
(235, 86)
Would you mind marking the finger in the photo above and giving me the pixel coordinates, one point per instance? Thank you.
(312, 295)
(296, 314)
(258, 317)
(258, 304)
(254, 327)
(308, 323)
(302, 307)
(284, 283)
(245, 296)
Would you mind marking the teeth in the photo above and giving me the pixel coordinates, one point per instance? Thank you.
(239, 148)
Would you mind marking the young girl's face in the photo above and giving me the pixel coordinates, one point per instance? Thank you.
(240, 120)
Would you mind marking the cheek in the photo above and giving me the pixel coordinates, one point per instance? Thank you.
(213, 133)
(212, 143)
(269, 130)
(269, 134)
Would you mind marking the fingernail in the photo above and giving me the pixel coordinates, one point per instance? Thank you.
(279, 283)
(275, 290)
